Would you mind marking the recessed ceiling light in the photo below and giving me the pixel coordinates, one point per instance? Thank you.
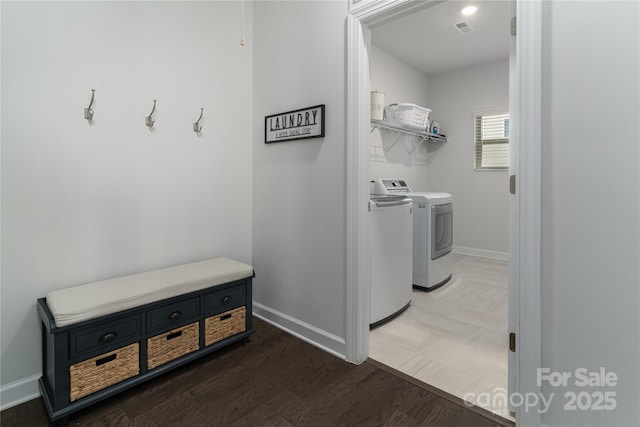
(469, 10)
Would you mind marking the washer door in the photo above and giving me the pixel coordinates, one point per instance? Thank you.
(441, 230)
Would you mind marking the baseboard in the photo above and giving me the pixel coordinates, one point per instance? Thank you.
(18, 392)
(484, 253)
(317, 337)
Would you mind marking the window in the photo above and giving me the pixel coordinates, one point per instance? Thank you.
(492, 142)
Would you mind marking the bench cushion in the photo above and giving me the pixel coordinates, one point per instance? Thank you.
(84, 302)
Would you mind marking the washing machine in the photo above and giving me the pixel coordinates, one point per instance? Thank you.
(391, 259)
(432, 232)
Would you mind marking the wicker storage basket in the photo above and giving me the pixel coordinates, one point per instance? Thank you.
(224, 325)
(172, 345)
(102, 371)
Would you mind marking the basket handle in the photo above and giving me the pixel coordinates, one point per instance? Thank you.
(174, 335)
(106, 359)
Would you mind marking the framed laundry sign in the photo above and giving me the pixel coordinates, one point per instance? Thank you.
(298, 124)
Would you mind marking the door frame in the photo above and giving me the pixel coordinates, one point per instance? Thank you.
(524, 206)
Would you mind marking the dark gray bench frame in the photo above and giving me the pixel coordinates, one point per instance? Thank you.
(58, 356)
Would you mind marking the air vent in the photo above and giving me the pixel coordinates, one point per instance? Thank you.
(463, 27)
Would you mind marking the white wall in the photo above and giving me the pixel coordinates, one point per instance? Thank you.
(591, 203)
(299, 191)
(480, 198)
(83, 202)
(400, 84)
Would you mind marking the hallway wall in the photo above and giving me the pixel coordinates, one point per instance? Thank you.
(82, 202)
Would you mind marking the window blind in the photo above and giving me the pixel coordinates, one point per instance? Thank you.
(492, 141)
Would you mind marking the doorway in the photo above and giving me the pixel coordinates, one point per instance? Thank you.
(524, 211)
(455, 337)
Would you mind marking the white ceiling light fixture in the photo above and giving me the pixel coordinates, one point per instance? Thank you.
(469, 10)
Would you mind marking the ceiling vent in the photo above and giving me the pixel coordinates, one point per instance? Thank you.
(463, 27)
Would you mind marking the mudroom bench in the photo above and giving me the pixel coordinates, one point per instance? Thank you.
(101, 338)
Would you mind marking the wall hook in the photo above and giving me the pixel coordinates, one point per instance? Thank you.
(197, 128)
(149, 120)
(88, 112)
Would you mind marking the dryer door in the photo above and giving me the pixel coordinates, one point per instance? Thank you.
(441, 229)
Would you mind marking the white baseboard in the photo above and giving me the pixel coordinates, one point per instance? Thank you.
(484, 253)
(317, 337)
(18, 392)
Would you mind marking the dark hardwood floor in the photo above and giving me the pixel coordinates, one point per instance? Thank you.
(275, 380)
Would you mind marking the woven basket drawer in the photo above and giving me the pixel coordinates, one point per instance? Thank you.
(172, 345)
(102, 371)
(224, 325)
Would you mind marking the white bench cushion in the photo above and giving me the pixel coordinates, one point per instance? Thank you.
(84, 302)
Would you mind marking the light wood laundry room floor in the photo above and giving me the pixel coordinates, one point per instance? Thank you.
(455, 338)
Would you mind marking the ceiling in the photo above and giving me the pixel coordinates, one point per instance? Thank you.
(428, 40)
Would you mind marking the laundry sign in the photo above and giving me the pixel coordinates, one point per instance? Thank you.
(299, 124)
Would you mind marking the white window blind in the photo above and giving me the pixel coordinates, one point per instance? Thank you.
(492, 142)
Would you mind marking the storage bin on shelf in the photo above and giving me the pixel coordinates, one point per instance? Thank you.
(171, 345)
(224, 325)
(102, 371)
(409, 116)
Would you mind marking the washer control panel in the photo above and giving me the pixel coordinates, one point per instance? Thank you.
(389, 186)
